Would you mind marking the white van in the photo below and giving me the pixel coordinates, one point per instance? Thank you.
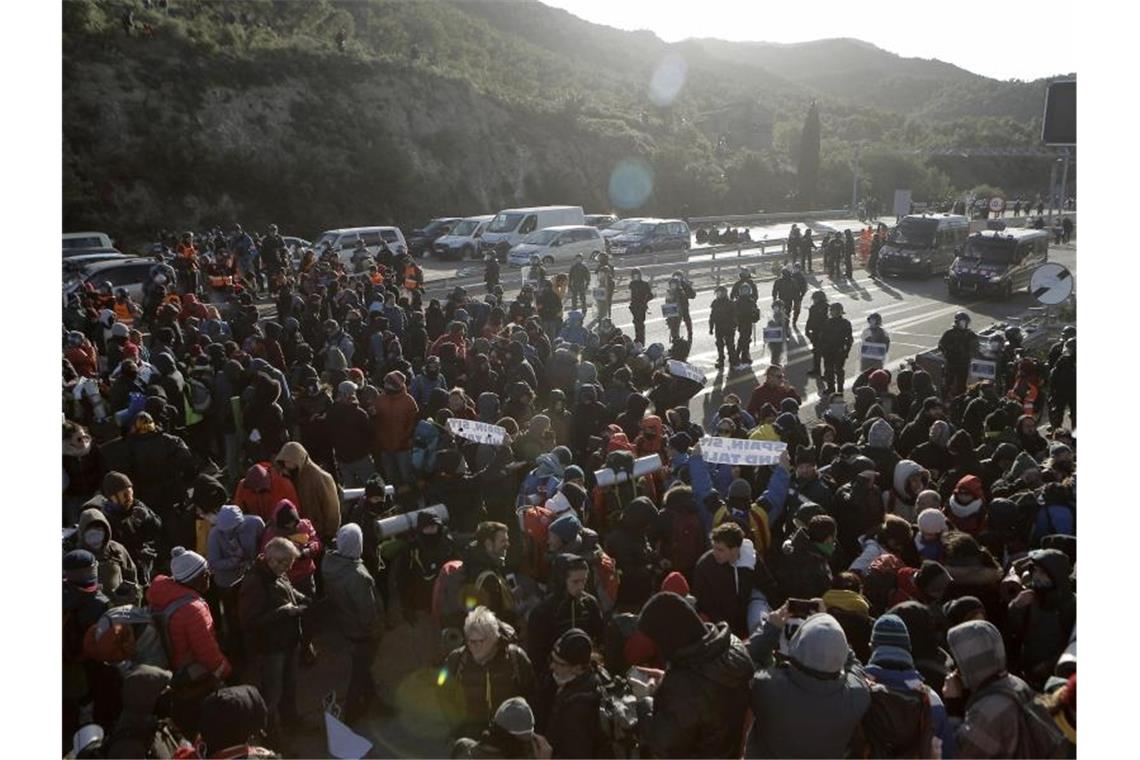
(87, 240)
(343, 241)
(558, 245)
(464, 240)
(511, 225)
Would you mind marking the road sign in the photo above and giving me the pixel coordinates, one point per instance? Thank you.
(1051, 284)
(997, 204)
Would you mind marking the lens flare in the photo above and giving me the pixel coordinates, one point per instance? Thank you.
(631, 184)
(441, 679)
(668, 80)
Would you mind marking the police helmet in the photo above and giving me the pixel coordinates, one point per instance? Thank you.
(819, 297)
(962, 317)
(836, 308)
(874, 318)
(1069, 331)
(1013, 335)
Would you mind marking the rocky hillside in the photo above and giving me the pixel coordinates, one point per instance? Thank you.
(252, 111)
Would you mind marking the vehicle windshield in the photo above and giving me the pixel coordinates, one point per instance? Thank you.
(504, 222)
(83, 242)
(328, 237)
(623, 225)
(541, 237)
(466, 227)
(991, 250)
(642, 228)
(914, 233)
(433, 227)
(389, 236)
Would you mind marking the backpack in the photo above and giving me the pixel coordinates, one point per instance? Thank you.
(425, 444)
(611, 501)
(880, 581)
(536, 530)
(607, 582)
(1038, 734)
(128, 634)
(198, 395)
(452, 596)
(687, 541)
(898, 722)
(620, 627)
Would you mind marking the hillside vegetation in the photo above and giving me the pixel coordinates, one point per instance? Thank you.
(221, 111)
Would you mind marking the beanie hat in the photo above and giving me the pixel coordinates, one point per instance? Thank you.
(208, 495)
(573, 472)
(890, 630)
(574, 493)
(671, 622)
(680, 441)
(930, 574)
(375, 486)
(789, 405)
(931, 521)
(740, 489)
(515, 717)
(81, 569)
(961, 608)
(563, 454)
(567, 528)
(1056, 448)
(347, 389)
(880, 380)
(350, 541)
(574, 647)
(113, 482)
(186, 565)
(819, 645)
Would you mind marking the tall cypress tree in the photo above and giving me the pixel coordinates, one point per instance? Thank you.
(807, 176)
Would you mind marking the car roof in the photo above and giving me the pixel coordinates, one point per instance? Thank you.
(70, 235)
(1013, 233)
(343, 230)
(480, 218)
(530, 209)
(99, 266)
(953, 219)
(71, 253)
(447, 219)
(564, 227)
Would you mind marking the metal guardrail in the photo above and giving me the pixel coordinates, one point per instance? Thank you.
(782, 216)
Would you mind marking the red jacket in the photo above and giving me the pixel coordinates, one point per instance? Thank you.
(84, 359)
(261, 489)
(192, 637)
(770, 394)
(459, 342)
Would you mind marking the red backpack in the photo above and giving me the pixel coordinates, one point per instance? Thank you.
(607, 581)
(536, 531)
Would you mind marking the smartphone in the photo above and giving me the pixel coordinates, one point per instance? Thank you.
(802, 608)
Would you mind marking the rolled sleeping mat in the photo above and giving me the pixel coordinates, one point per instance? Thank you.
(349, 495)
(643, 466)
(397, 524)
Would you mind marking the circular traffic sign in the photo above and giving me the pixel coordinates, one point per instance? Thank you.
(997, 204)
(1051, 284)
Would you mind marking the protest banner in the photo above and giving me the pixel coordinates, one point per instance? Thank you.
(718, 450)
(687, 371)
(479, 432)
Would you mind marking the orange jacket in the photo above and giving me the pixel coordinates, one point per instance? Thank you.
(261, 489)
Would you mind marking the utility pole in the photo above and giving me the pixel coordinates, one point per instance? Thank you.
(855, 184)
(1052, 189)
(1064, 178)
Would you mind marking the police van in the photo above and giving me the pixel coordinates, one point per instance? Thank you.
(923, 244)
(998, 262)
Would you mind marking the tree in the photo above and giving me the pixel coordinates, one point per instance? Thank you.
(807, 176)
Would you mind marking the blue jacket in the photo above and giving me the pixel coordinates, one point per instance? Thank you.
(899, 679)
(1055, 518)
(573, 331)
(395, 317)
(233, 545)
(422, 386)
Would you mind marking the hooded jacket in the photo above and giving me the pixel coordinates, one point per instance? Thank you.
(898, 501)
(629, 546)
(319, 499)
(264, 621)
(233, 545)
(191, 627)
(808, 707)
(1040, 631)
(304, 536)
(803, 570)
(359, 613)
(699, 707)
(395, 417)
(968, 517)
(262, 489)
(115, 564)
(992, 725)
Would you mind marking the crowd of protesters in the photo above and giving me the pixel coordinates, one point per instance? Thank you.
(900, 584)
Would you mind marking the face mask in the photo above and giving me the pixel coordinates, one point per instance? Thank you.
(827, 549)
(93, 537)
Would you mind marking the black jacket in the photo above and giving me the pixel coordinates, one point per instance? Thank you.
(351, 431)
(266, 625)
(803, 571)
(835, 336)
(573, 728)
(579, 276)
(957, 345)
(699, 708)
(722, 316)
(473, 692)
(640, 294)
(555, 615)
(817, 318)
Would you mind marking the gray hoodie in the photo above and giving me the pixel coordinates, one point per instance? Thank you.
(232, 545)
(353, 595)
(881, 435)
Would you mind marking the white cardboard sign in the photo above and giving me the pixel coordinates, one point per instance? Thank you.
(687, 371)
(718, 450)
(773, 335)
(876, 351)
(480, 432)
(983, 369)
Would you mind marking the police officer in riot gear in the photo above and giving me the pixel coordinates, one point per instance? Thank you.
(957, 345)
(801, 289)
(722, 322)
(874, 334)
(491, 270)
(640, 294)
(579, 282)
(785, 288)
(835, 339)
(679, 293)
(744, 297)
(817, 317)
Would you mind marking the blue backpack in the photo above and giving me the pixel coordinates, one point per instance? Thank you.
(425, 445)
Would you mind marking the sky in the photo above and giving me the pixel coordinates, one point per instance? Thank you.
(1009, 41)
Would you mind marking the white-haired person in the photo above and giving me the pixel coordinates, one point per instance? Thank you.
(487, 670)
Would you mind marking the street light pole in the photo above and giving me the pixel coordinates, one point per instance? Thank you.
(1064, 179)
(855, 185)
(1052, 189)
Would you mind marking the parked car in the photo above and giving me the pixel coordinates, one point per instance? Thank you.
(87, 240)
(343, 241)
(923, 244)
(620, 226)
(129, 272)
(420, 241)
(465, 239)
(652, 235)
(511, 225)
(601, 221)
(77, 258)
(998, 261)
(557, 245)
